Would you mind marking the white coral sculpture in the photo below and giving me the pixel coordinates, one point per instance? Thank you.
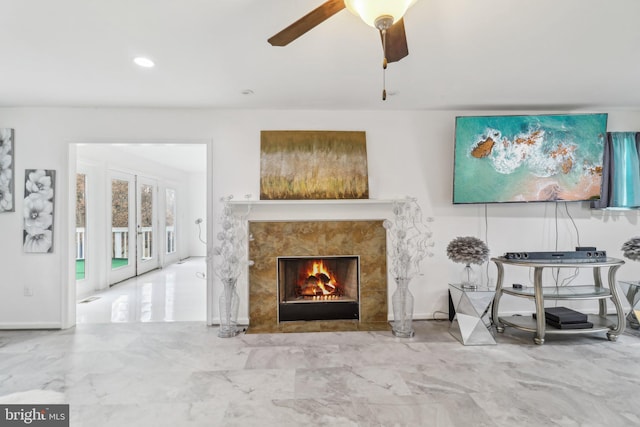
(410, 238)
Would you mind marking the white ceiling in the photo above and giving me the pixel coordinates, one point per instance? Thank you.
(464, 54)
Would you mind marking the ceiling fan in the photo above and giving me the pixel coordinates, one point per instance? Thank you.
(384, 15)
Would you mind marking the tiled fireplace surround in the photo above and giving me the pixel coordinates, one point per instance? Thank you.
(271, 239)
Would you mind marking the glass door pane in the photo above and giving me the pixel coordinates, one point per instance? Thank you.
(145, 228)
(147, 256)
(119, 223)
(121, 232)
(81, 218)
(170, 216)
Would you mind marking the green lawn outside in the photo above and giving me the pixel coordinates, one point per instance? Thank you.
(79, 269)
(119, 262)
(115, 263)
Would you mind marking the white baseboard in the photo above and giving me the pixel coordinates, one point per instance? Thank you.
(441, 315)
(241, 321)
(30, 325)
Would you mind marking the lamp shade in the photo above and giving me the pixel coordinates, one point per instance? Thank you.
(370, 10)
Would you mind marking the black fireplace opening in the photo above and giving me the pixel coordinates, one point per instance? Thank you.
(318, 288)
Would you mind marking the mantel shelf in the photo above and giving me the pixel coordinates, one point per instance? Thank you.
(352, 202)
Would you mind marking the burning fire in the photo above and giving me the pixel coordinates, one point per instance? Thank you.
(318, 282)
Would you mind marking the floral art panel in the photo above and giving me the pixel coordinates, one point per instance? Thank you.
(38, 209)
(7, 175)
(308, 165)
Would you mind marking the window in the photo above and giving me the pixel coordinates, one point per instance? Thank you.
(170, 222)
(81, 218)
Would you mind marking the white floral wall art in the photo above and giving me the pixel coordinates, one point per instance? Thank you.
(7, 176)
(37, 210)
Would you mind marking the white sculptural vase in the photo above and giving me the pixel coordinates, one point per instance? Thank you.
(229, 304)
(402, 301)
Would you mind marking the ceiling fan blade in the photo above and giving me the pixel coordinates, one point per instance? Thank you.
(396, 42)
(307, 22)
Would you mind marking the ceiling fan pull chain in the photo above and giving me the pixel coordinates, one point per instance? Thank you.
(384, 64)
(384, 89)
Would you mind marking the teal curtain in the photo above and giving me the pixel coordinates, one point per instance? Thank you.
(621, 171)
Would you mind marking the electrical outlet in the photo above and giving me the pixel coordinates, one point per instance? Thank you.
(28, 292)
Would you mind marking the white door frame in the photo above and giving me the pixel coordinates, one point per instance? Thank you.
(68, 293)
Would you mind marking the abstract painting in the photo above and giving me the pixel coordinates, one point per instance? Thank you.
(307, 165)
(7, 175)
(39, 199)
(529, 158)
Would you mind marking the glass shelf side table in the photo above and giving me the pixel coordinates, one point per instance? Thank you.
(471, 323)
(631, 290)
(613, 325)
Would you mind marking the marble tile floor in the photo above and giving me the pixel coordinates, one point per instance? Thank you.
(171, 294)
(183, 374)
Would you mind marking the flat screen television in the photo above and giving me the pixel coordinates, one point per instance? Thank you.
(536, 158)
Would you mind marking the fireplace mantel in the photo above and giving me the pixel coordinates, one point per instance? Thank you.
(329, 202)
(259, 213)
(319, 210)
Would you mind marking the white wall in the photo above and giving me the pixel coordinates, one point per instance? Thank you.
(410, 153)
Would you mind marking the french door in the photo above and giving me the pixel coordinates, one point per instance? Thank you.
(132, 229)
(146, 225)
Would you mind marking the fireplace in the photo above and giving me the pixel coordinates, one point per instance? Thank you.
(364, 240)
(318, 288)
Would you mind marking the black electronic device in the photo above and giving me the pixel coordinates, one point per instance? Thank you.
(564, 315)
(581, 255)
(572, 325)
(565, 318)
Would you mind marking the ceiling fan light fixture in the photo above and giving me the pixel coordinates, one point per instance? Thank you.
(370, 10)
(383, 22)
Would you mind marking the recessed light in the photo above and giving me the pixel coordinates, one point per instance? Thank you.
(141, 61)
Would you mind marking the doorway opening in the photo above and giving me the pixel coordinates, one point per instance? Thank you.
(137, 222)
